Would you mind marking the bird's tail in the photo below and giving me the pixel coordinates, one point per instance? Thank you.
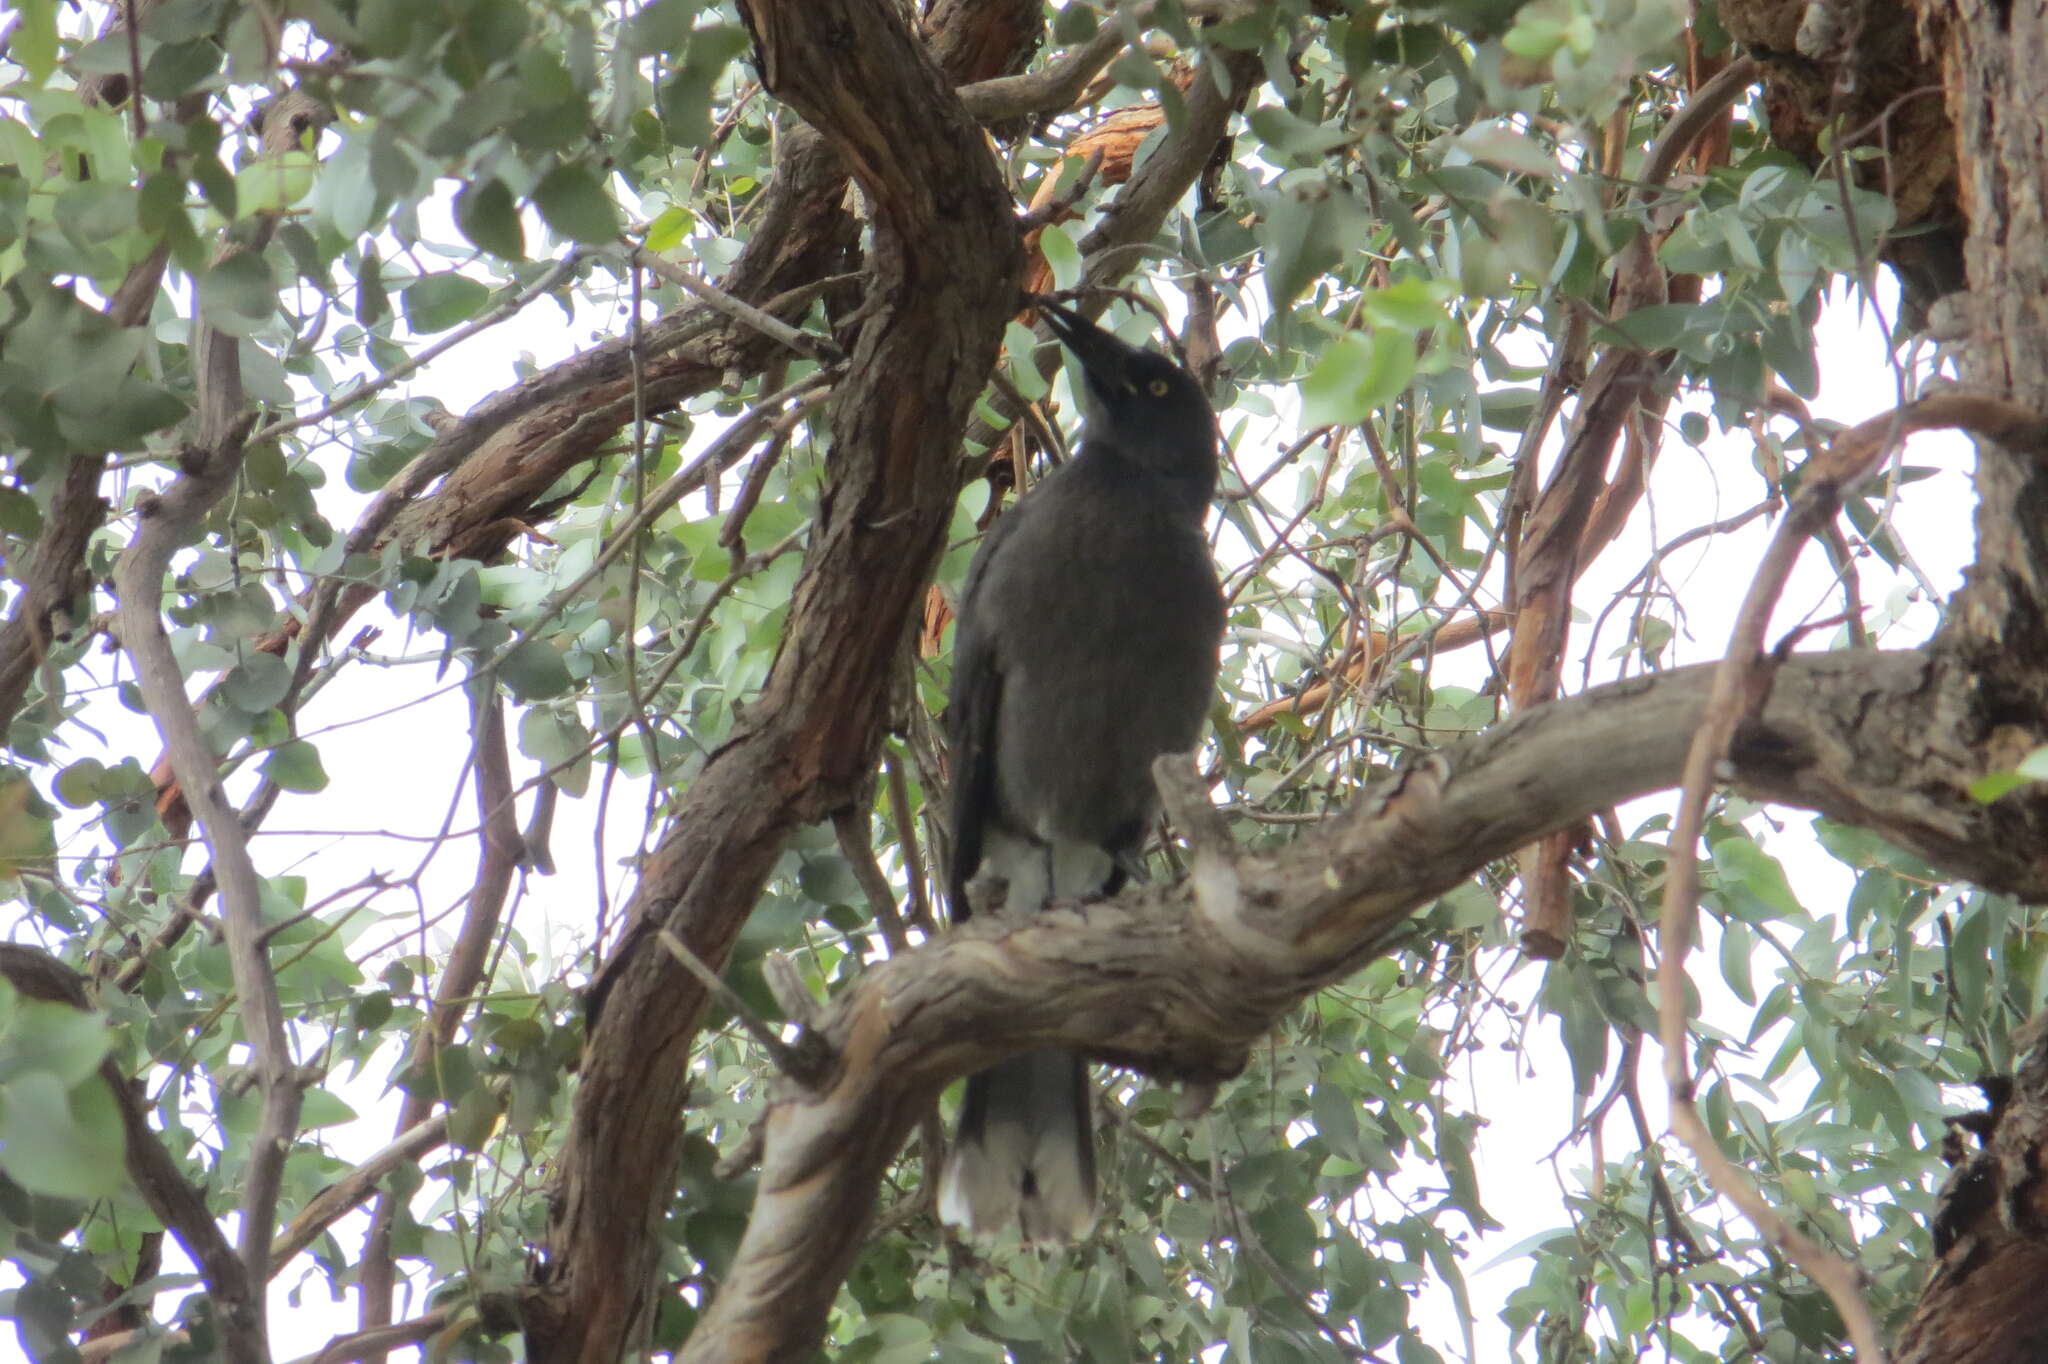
(1025, 1153)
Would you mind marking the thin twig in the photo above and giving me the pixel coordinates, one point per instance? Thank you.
(1055, 208)
(852, 830)
(378, 383)
(1248, 1239)
(497, 863)
(137, 124)
(811, 347)
(363, 1344)
(720, 454)
(920, 913)
(732, 534)
(798, 1064)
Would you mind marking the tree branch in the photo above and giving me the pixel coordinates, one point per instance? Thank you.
(54, 576)
(497, 864)
(944, 267)
(164, 523)
(353, 1189)
(177, 1204)
(1741, 682)
(1180, 982)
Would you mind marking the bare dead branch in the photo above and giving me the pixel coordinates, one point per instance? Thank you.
(851, 830)
(373, 1344)
(1057, 207)
(803, 1065)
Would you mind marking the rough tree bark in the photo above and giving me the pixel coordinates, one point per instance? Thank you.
(941, 282)
(1982, 1304)
(1889, 742)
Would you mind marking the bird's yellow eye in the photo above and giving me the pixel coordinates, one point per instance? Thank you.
(1157, 388)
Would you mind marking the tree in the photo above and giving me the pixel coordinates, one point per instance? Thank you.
(1457, 275)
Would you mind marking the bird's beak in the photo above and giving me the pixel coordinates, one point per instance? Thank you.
(1103, 356)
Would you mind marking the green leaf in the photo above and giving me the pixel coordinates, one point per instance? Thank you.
(78, 785)
(487, 215)
(1992, 785)
(52, 1037)
(1500, 145)
(534, 671)
(685, 98)
(474, 1119)
(438, 302)
(1746, 865)
(295, 766)
(28, 837)
(61, 1141)
(33, 42)
(323, 1108)
(669, 228)
(257, 683)
(176, 69)
(574, 204)
(1056, 244)
(1798, 266)
(120, 415)
(1306, 228)
(1415, 305)
(552, 736)
(238, 294)
(96, 212)
(1288, 132)
(274, 183)
(1361, 371)
(1020, 345)
(1738, 946)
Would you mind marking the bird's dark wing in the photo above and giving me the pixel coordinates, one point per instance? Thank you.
(971, 709)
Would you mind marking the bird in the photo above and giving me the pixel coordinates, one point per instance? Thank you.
(1086, 646)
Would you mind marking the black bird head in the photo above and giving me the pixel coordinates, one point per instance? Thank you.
(1137, 402)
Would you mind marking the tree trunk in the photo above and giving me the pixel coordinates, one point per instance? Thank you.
(1982, 1304)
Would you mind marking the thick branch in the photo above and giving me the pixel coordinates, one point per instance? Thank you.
(944, 273)
(1182, 981)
